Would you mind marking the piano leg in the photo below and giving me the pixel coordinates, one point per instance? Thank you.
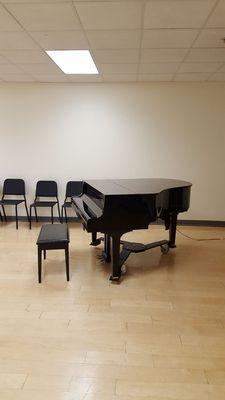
(107, 249)
(94, 240)
(116, 265)
(173, 228)
(93, 237)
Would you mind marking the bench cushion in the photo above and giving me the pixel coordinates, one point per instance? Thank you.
(53, 233)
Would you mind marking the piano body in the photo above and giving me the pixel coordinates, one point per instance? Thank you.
(114, 207)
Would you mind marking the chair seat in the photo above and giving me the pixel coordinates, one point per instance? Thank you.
(57, 233)
(11, 202)
(43, 203)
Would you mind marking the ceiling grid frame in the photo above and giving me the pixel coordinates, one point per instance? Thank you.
(119, 70)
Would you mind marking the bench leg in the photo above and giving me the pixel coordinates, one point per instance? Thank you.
(44, 254)
(39, 265)
(67, 262)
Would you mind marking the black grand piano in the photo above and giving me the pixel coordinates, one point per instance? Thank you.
(114, 207)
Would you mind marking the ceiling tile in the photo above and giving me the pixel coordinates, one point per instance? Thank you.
(192, 77)
(199, 67)
(50, 77)
(155, 77)
(211, 38)
(17, 78)
(110, 15)
(40, 68)
(116, 56)
(16, 41)
(217, 19)
(129, 39)
(177, 14)
(7, 22)
(61, 40)
(168, 38)
(162, 55)
(37, 17)
(26, 56)
(10, 69)
(120, 77)
(119, 68)
(206, 55)
(219, 76)
(158, 68)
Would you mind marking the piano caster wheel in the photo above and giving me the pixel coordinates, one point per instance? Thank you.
(164, 248)
(96, 242)
(114, 279)
(123, 270)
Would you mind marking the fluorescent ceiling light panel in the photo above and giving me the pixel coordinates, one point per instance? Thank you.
(73, 61)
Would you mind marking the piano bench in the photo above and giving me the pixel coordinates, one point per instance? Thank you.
(53, 237)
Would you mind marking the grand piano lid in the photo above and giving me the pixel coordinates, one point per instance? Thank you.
(135, 186)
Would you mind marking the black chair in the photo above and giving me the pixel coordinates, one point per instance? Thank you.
(73, 188)
(13, 187)
(45, 189)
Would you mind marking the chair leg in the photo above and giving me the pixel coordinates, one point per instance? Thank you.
(1, 216)
(39, 265)
(35, 210)
(67, 262)
(62, 215)
(44, 254)
(65, 214)
(16, 216)
(52, 214)
(59, 211)
(28, 218)
(3, 209)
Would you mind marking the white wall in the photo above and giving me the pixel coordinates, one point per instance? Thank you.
(68, 132)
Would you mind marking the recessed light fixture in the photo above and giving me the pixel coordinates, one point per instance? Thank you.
(74, 61)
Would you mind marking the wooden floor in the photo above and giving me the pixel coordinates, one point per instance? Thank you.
(158, 335)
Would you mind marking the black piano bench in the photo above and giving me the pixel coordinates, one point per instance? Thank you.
(53, 237)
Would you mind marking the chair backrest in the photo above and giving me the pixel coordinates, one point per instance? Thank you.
(74, 188)
(14, 187)
(46, 189)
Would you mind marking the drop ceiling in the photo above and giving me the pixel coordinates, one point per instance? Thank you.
(130, 41)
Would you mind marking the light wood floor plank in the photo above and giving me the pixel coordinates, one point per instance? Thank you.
(158, 335)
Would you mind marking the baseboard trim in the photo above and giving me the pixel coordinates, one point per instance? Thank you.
(40, 219)
(201, 223)
(186, 222)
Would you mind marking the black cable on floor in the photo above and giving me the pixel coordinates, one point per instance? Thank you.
(199, 239)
